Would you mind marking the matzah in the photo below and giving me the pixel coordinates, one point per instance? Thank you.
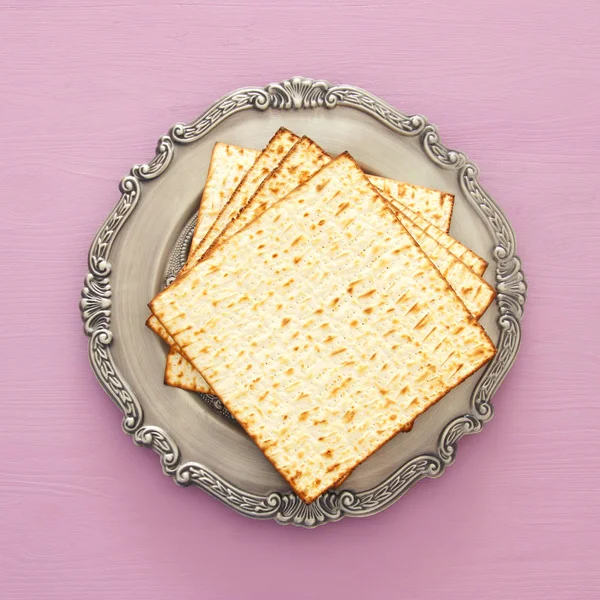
(323, 327)
(178, 374)
(439, 205)
(228, 165)
(267, 160)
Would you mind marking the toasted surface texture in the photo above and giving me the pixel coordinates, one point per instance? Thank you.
(267, 160)
(179, 374)
(323, 327)
(228, 165)
(188, 377)
(434, 205)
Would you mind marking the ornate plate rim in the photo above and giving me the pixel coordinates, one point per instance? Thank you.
(300, 93)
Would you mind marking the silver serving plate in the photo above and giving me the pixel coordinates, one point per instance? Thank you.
(144, 241)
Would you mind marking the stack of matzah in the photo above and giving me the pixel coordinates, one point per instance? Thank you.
(327, 309)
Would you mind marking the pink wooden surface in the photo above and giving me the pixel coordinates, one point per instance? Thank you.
(86, 88)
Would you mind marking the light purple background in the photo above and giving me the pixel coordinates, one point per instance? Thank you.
(86, 88)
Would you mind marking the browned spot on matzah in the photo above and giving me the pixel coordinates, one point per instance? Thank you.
(425, 338)
(320, 186)
(342, 208)
(457, 370)
(422, 322)
(348, 416)
(448, 357)
(368, 294)
(414, 307)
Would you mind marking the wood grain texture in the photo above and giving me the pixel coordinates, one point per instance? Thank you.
(85, 91)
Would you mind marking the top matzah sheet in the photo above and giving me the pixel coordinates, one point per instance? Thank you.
(266, 161)
(228, 165)
(324, 328)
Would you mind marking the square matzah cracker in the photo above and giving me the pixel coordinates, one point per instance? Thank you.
(324, 328)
